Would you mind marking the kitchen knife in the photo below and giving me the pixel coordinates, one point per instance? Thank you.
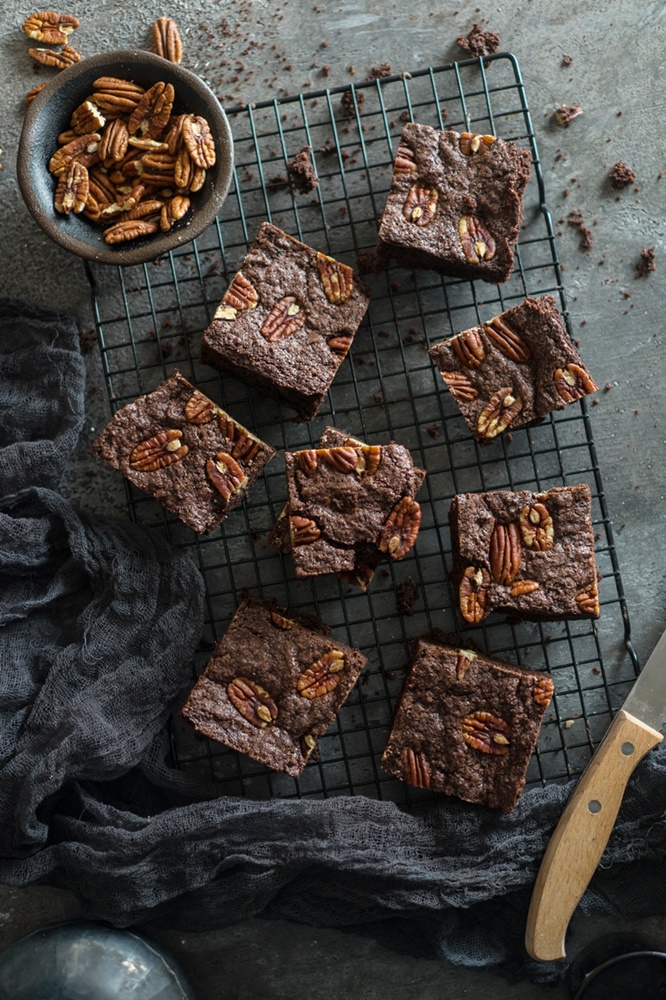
(585, 826)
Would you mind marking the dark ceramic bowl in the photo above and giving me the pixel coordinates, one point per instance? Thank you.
(49, 114)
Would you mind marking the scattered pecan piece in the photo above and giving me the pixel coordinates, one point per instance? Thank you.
(400, 529)
(588, 599)
(465, 659)
(341, 459)
(415, 768)
(32, 94)
(281, 622)
(477, 243)
(307, 461)
(72, 190)
(460, 386)
(87, 118)
(246, 447)
(284, 319)
(241, 294)
(199, 409)
(308, 744)
(151, 114)
(173, 210)
(573, 382)
(323, 676)
(130, 230)
(165, 40)
(303, 530)
(496, 416)
(486, 732)
(225, 312)
(468, 347)
(252, 701)
(473, 594)
(471, 142)
(506, 340)
(158, 452)
(199, 141)
(58, 60)
(405, 162)
(566, 114)
(49, 27)
(537, 528)
(340, 345)
(421, 204)
(113, 143)
(522, 587)
(225, 474)
(337, 278)
(543, 691)
(506, 553)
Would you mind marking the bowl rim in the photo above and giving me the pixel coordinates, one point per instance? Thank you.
(160, 243)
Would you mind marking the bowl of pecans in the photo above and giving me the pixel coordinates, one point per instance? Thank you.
(124, 157)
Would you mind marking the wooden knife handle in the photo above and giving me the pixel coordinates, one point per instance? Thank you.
(582, 834)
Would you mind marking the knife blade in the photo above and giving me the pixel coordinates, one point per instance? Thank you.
(582, 833)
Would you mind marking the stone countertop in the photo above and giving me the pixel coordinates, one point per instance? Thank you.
(253, 50)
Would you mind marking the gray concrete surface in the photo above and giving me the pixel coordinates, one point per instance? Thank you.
(617, 74)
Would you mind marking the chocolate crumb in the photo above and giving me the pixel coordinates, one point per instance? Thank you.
(621, 175)
(565, 114)
(379, 72)
(378, 398)
(646, 262)
(347, 103)
(369, 262)
(567, 60)
(326, 70)
(87, 340)
(479, 42)
(586, 238)
(301, 171)
(276, 182)
(407, 594)
(433, 431)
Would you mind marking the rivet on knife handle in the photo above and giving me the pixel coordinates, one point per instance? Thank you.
(582, 834)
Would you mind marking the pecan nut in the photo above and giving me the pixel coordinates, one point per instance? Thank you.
(522, 587)
(49, 27)
(225, 474)
(465, 659)
(473, 594)
(415, 768)
(341, 459)
(85, 149)
(73, 188)
(468, 347)
(173, 210)
(323, 676)
(573, 382)
(303, 530)
(421, 204)
(113, 143)
(58, 60)
(340, 345)
(588, 599)
(537, 528)
(506, 553)
(87, 118)
(284, 319)
(405, 162)
(158, 452)
(487, 733)
(32, 94)
(507, 341)
(471, 142)
(241, 294)
(400, 528)
(252, 701)
(476, 240)
(337, 279)
(369, 459)
(151, 114)
(308, 744)
(543, 691)
(459, 386)
(199, 141)
(246, 448)
(116, 97)
(199, 409)
(307, 461)
(498, 413)
(130, 230)
(165, 40)
(281, 622)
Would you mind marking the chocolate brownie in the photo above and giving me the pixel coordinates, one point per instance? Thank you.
(514, 369)
(466, 724)
(286, 321)
(527, 554)
(182, 449)
(350, 507)
(455, 203)
(273, 686)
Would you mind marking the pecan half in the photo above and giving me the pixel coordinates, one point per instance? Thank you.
(72, 190)
(199, 141)
(460, 386)
(130, 230)
(58, 60)
(473, 594)
(498, 413)
(307, 461)
(337, 278)
(522, 587)
(241, 294)
(85, 149)
(158, 452)
(369, 459)
(246, 447)
(341, 459)
(486, 732)
(573, 382)
(415, 768)
(405, 162)
(151, 114)
(588, 599)
(507, 341)
(187, 175)
(506, 553)
(113, 143)
(68, 135)
(225, 474)
(468, 347)
(87, 118)
(472, 142)
(174, 137)
(49, 27)
(465, 659)
(303, 530)
(284, 319)
(281, 622)
(199, 409)
(117, 97)
(340, 345)
(165, 40)
(421, 204)
(477, 243)
(400, 528)
(175, 209)
(323, 676)
(543, 691)
(537, 528)
(32, 94)
(252, 701)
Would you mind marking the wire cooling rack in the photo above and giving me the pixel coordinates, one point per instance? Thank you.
(149, 320)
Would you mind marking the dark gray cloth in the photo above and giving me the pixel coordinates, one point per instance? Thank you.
(99, 622)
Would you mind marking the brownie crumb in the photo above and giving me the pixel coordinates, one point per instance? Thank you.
(371, 262)
(379, 72)
(405, 116)
(621, 175)
(379, 398)
(87, 340)
(586, 238)
(567, 60)
(301, 171)
(566, 114)
(407, 594)
(278, 181)
(433, 431)
(347, 103)
(479, 42)
(646, 262)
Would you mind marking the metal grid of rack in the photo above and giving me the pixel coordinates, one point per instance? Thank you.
(149, 320)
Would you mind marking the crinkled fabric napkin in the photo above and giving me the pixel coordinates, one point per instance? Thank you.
(99, 621)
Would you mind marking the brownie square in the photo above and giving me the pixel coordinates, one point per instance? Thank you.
(286, 321)
(514, 369)
(466, 724)
(182, 449)
(350, 507)
(273, 685)
(530, 555)
(455, 203)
